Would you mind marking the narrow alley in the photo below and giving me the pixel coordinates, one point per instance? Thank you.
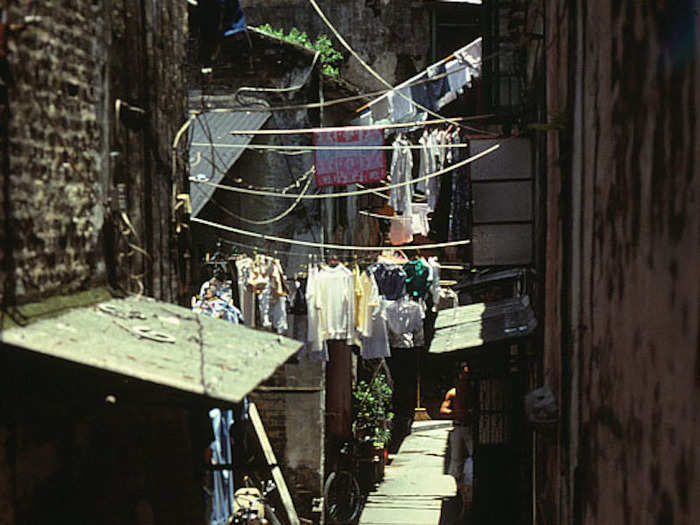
(349, 262)
(416, 490)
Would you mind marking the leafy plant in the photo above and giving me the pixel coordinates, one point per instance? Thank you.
(329, 56)
(371, 408)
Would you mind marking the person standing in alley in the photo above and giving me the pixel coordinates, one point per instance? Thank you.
(456, 405)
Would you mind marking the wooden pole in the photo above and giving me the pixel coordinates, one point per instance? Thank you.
(272, 462)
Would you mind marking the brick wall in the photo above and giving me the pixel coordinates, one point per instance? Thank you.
(55, 146)
(63, 227)
(294, 422)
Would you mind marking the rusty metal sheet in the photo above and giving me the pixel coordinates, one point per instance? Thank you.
(161, 343)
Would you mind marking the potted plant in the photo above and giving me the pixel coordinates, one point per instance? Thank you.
(372, 415)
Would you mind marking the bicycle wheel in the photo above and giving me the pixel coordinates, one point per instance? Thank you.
(342, 497)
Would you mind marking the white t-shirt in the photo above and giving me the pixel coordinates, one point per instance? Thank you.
(330, 294)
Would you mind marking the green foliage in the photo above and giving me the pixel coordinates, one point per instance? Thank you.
(371, 404)
(329, 56)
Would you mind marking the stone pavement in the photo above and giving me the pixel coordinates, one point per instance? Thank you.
(415, 491)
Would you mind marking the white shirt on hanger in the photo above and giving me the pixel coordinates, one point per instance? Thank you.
(405, 321)
(331, 295)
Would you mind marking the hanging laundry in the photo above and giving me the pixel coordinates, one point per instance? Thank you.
(381, 109)
(420, 93)
(417, 278)
(405, 322)
(375, 343)
(401, 171)
(244, 267)
(272, 301)
(340, 167)
(331, 302)
(391, 280)
(218, 19)
(232, 17)
(401, 108)
(457, 75)
(459, 203)
(215, 300)
(434, 282)
(367, 294)
(420, 224)
(401, 230)
(439, 86)
(222, 494)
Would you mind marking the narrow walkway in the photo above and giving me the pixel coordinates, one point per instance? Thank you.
(414, 487)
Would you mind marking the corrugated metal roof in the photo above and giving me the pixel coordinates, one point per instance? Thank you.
(210, 163)
(195, 353)
(476, 324)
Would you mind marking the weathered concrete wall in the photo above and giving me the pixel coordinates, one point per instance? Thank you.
(393, 37)
(623, 278)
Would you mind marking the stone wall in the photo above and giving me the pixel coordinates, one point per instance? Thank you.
(622, 286)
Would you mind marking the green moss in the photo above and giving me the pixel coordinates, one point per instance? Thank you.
(54, 306)
(329, 56)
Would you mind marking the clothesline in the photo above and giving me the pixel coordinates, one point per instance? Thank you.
(335, 101)
(350, 193)
(376, 75)
(303, 149)
(324, 246)
(276, 252)
(352, 128)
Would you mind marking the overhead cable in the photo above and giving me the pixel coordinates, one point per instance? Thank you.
(350, 193)
(324, 245)
(353, 128)
(266, 221)
(374, 73)
(306, 149)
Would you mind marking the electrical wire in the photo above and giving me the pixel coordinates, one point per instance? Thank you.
(266, 221)
(351, 128)
(350, 193)
(309, 149)
(374, 73)
(323, 246)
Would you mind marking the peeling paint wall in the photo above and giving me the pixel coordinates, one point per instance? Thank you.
(623, 280)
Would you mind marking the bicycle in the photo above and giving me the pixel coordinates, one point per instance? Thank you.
(251, 505)
(341, 493)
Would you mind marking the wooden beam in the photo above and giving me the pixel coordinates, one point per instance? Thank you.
(272, 462)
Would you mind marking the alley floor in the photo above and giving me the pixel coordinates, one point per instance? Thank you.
(415, 490)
